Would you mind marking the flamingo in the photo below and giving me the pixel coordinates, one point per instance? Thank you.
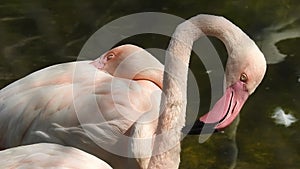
(47, 105)
(245, 70)
(47, 155)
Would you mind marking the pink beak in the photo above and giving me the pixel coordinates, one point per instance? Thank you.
(228, 106)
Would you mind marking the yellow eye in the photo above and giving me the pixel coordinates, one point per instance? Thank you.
(243, 77)
(110, 56)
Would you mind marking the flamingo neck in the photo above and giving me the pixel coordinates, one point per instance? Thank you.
(173, 102)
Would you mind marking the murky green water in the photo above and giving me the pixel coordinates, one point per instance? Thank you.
(37, 34)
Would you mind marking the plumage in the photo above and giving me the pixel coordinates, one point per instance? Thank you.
(82, 104)
(47, 156)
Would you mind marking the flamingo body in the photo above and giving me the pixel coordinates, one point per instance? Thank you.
(82, 104)
(47, 156)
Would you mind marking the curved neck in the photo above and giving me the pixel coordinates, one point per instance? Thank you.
(173, 102)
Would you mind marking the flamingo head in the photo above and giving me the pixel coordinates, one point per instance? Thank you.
(131, 62)
(245, 70)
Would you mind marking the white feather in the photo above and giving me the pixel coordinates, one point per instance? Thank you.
(282, 118)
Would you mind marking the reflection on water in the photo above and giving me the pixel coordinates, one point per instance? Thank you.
(270, 36)
(36, 34)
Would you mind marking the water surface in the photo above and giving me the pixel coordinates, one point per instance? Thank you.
(37, 34)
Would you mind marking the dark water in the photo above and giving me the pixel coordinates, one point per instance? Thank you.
(36, 34)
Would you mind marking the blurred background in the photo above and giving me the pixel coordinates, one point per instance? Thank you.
(36, 34)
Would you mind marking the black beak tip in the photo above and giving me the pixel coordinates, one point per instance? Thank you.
(199, 128)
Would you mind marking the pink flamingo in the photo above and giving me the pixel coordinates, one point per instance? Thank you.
(45, 105)
(29, 122)
(245, 70)
(46, 155)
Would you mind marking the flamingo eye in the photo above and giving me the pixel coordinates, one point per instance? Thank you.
(110, 56)
(244, 77)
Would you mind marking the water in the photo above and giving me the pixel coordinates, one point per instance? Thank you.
(38, 34)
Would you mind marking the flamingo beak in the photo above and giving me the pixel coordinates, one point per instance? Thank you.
(224, 111)
(228, 106)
